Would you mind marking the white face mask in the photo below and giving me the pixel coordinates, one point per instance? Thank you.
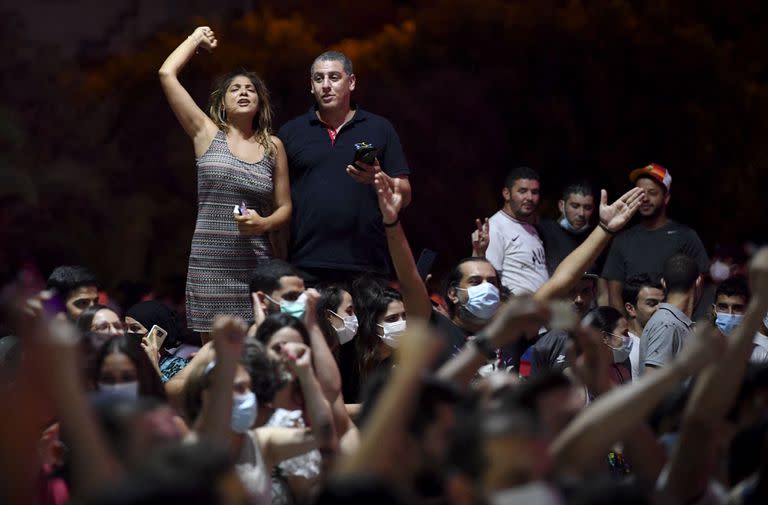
(244, 410)
(349, 330)
(125, 389)
(621, 353)
(392, 332)
(537, 492)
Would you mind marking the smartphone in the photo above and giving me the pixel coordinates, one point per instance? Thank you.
(159, 334)
(426, 260)
(365, 153)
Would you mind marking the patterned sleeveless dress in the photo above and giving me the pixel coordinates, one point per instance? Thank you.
(221, 259)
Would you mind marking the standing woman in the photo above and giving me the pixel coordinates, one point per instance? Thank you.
(238, 160)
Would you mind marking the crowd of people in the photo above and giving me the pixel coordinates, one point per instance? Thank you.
(598, 357)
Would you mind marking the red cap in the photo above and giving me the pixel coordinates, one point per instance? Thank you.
(654, 171)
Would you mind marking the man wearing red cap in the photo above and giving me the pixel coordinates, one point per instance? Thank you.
(644, 247)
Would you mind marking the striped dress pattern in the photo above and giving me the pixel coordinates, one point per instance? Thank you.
(221, 258)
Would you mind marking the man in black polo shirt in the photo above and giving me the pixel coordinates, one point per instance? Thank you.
(336, 227)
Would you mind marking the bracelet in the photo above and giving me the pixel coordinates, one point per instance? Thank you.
(392, 224)
(605, 228)
(482, 343)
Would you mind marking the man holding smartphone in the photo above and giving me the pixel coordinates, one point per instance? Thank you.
(336, 227)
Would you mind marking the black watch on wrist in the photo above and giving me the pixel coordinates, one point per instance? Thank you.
(483, 344)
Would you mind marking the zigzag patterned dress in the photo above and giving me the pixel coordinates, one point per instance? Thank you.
(221, 259)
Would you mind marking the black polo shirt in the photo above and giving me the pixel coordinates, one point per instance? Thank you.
(336, 222)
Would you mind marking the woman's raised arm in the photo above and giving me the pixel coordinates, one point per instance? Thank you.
(195, 122)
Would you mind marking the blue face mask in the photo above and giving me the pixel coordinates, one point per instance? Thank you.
(244, 408)
(566, 225)
(726, 323)
(295, 308)
(482, 300)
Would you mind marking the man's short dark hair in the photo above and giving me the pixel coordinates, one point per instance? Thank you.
(266, 277)
(583, 188)
(520, 173)
(333, 56)
(635, 283)
(680, 273)
(65, 279)
(733, 286)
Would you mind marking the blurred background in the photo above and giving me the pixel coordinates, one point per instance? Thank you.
(94, 168)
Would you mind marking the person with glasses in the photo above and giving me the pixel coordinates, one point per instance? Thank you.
(100, 319)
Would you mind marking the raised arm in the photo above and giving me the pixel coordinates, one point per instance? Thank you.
(325, 364)
(621, 410)
(378, 453)
(195, 122)
(93, 465)
(612, 219)
(326, 369)
(415, 295)
(317, 407)
(174, 388)
(213, 424)
(714, 393)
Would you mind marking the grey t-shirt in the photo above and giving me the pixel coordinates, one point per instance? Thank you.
(642, 251)
(663, 336)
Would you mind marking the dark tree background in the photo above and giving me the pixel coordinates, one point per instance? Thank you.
(95, 169)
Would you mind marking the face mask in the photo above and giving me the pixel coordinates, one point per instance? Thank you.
(124, 389)
(535, 492)
(348, 331)
(295, 308)
(244, 409)
(392, 332)
(482, 300)
(719, 271)
(566, 225)
(726, 323)
(620, 354)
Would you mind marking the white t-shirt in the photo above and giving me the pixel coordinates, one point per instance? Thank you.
(760, 349)
(634, 356)
(517, 253)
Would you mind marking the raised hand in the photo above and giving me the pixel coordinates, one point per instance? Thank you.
(613, 217)
(310, 314)
(298, 357)
(205, 38)
(251, 223)
(390, 200)
(228, 335)
(521, 316)
(481, 237)
(151, 349)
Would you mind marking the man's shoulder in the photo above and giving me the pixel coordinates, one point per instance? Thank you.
(551, 339)
(292, 125)
(367, 115)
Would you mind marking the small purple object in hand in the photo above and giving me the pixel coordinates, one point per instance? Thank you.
(243, 207)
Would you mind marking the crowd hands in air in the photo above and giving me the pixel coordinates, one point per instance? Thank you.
(559, 364)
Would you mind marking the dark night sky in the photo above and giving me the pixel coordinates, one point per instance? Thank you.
(473, 88)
